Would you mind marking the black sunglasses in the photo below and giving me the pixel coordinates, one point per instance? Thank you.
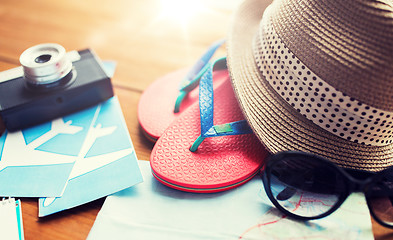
(306, 186)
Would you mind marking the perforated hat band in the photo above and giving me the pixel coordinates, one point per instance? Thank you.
(313, 97)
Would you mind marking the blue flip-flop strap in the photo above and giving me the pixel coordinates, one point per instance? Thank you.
(191, 80)
(206, 108)
(206, 96)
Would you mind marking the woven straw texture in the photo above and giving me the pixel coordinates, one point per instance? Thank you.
(279, 126)
(348, 43)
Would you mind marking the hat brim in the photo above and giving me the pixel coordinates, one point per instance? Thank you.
(278, 125)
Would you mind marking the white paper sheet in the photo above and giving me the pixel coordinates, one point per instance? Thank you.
(11, 226)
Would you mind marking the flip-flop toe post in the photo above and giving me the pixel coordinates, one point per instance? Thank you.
(209, 147)
(172, 94)
(206, 106)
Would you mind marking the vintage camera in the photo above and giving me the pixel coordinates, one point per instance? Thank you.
(51, 83)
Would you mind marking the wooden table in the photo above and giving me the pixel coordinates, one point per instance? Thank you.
(146, 38)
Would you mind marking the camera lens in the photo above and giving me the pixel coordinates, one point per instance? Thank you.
(45, 64)
(43, 58)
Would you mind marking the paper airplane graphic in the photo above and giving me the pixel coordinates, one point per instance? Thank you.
(105, 164)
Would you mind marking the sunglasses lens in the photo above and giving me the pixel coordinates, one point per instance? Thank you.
(380, 199)
(306, 186)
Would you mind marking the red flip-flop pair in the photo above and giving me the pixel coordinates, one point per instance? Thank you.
(192, 153)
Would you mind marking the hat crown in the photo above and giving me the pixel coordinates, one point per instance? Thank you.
(284, 55)
(349, 44)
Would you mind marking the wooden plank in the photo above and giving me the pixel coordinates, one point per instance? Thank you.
(145, 44)
(146, 39)
(71, 224)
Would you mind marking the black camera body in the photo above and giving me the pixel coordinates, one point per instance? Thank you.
(47, 87)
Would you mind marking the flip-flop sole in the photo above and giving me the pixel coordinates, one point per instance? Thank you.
(220, 163)
(156, 105)
(202, 190)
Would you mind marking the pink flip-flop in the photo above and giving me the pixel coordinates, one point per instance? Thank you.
(195, 155)
(163, 101)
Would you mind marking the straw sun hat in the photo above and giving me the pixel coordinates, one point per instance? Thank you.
(317, 76)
